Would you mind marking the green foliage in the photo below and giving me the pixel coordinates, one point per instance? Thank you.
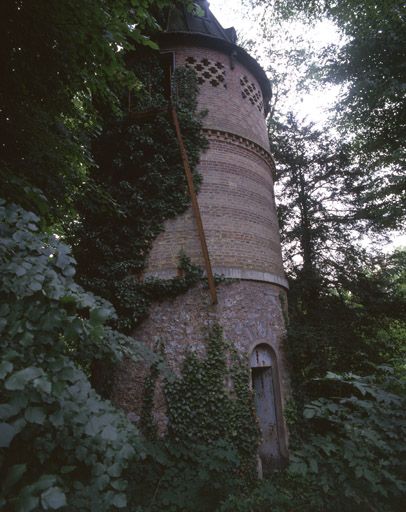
(185, 476)
(342, 299)
(210, 449)
(350, 456)
(212, 401)
(367, 310)
(61, 444)
(369, 62)
(356, 439)
(316, 215)
(139, 183)
(63, 69)
(346, 306)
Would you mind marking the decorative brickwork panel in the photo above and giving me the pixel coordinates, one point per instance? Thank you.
(226, 110)
(251, 93)
(208, 71)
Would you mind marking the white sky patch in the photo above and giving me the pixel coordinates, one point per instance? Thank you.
(398, 242)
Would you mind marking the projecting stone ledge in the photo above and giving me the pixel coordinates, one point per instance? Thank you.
(229, 273)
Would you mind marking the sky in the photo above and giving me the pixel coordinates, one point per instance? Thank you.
(312, 106)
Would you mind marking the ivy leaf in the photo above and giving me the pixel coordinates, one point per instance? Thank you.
(309, 413)
(14, 475)
(119, 485)
(7, 433)
(109, 433)
(43, 384)
(44, 482)
(99, 315)
(35, 286)
(53, 498)
(5, 368)
(69, 271)
(35, 415)
(115, 470)
(22, 377)
(8, 411)
(119, 501)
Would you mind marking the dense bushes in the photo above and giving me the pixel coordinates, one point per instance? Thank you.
(60, 443)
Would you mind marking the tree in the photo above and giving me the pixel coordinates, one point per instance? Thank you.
(61, 445)
(370, 65)
(315, 215)
(342, 297)
(63, 68)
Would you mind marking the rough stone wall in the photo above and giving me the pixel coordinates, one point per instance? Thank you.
(249, 312)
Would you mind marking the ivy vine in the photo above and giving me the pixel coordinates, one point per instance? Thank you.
(210, 401)
(138, 183)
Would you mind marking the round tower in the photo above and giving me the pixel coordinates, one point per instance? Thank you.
(239, 219)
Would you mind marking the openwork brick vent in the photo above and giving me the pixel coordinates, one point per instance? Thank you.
(208, 71)
(249, 91)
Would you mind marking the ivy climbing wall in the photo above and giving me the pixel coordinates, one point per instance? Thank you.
(250, 313)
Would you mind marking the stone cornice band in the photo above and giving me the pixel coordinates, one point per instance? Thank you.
(228, 273)
(243, 141)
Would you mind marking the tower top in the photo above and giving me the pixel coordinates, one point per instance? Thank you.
(205, 23)
(203, 29)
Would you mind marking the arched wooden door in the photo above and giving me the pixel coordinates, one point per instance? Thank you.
(264, 375)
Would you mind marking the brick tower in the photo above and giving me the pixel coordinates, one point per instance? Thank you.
(240, 224)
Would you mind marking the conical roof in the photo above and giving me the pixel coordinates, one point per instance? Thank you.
(204, 23)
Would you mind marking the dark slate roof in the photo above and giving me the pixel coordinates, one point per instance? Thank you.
(187, 28)
(180, 20)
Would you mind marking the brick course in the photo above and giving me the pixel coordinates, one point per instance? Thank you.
(238, 212)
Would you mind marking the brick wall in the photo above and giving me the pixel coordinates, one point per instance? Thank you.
(236, 198)
(234, 105)
(238, 212)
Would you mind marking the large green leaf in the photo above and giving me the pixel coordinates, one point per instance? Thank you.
(7, 433)
(53, 499)
(19, 379)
